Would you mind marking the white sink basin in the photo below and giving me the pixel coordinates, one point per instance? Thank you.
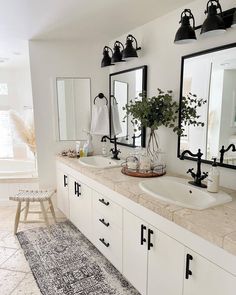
(99, 162)
(177, 191)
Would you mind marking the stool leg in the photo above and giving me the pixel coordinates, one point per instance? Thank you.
(44, 213)
(52, 209)
(17, 218)
(26, 210)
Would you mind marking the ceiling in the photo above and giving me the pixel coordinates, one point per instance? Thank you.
(81, 20)
(78, 19)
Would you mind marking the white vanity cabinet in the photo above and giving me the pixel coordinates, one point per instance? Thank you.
(80, 197)
(152, 261)
(205, 278)
(63, 191)
(154, 254)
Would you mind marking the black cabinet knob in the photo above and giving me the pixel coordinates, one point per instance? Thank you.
(65, 181)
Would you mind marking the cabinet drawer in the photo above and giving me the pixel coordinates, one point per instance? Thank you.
(108, 240)
(107, 208)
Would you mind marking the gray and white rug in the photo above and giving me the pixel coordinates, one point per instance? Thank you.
(65, 262)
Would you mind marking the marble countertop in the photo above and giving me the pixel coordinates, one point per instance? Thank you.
(217, 224)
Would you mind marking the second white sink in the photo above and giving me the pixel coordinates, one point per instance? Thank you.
(99, 162)
(177, 191)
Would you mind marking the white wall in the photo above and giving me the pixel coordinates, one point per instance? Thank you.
(19, 88)
(48, 60)
(164, 62)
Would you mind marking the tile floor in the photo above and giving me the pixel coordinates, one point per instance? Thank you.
(15, 275)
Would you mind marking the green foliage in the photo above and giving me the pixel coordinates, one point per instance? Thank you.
(162, 110)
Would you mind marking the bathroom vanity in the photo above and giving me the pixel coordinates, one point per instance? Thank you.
(159, 248)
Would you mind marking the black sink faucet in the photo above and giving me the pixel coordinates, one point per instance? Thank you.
(115, 151)
(198, 176)
(223, 151)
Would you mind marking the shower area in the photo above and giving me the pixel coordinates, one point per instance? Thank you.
(18, 154)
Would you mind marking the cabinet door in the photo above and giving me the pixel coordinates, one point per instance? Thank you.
(81, 206)
(62, 192)
(135, 251)
(165, 264)
(205, 278)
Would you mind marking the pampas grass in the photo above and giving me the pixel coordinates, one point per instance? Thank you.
(23, 130)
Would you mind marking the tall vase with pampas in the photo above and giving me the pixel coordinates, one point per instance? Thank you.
(25, 131)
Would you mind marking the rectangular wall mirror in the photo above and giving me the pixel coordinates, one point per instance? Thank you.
(125, 86)
(73, 106)
(211, 75)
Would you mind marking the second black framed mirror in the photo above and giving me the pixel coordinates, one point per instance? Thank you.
(123, 87)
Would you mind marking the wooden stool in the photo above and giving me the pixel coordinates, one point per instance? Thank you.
(28, 196)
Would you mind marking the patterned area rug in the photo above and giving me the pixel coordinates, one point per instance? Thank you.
(65, 262)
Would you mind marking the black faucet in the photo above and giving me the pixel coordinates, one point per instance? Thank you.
(199, 176)
(223, 151)
(115, 151)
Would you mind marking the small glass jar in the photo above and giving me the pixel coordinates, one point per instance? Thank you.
(144, 163)
(132, 163)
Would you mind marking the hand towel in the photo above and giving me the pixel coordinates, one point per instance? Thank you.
(115, 119)
(100, 120)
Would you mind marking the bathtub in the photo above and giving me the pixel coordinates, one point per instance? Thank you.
(12, 168)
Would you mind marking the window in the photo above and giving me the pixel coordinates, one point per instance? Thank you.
(3, 89)
(6, 144)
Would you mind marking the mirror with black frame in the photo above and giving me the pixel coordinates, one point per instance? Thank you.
(125, 86)
(73, 108)
(211, 75)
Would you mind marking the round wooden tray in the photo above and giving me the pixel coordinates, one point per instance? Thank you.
(126, 171)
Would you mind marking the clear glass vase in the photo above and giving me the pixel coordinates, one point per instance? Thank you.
(154, 152)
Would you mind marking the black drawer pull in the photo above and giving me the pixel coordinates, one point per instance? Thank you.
(65, 181)
(104, 202)
(103, 222)
(78, 189)
(150, 244)
(104, 243)
(143, 228)
(188, 271)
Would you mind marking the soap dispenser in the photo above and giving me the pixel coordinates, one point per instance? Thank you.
(213, 178)
(88, 146)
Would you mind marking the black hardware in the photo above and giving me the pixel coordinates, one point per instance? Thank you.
(101, 96)
(104, 202)
(143, 228)
(198, 176)
(150, 233)
(103, 222)
(78, 189)
(188, 272)
(65, 181)
(104, 243)
(115, 151)
(223, 151)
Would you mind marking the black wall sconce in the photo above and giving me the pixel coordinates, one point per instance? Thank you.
(186, 32)
(216, 23)
(234, 21)
(130, 51)
(106, 61)
(120, 52)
